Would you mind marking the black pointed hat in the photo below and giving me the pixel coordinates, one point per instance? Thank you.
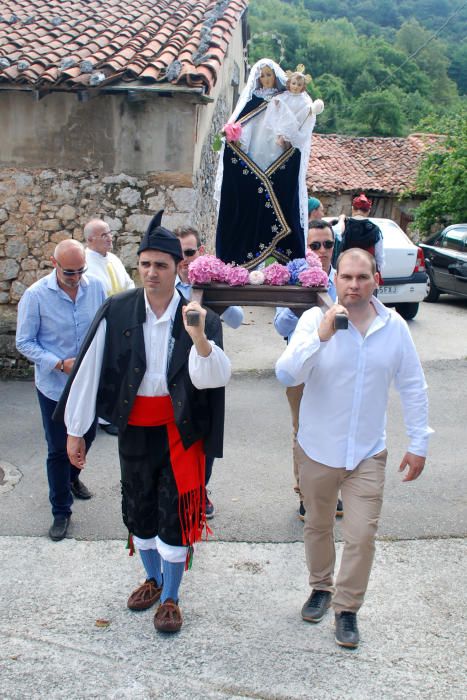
(159, 238)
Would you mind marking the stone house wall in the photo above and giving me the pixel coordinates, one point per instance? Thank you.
(39, 208)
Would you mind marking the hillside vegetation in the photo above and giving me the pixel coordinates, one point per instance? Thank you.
(376, 63)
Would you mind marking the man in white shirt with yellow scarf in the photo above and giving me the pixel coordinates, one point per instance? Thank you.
(105, 265)
(341, 436)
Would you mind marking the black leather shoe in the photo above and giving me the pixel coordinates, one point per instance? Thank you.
(79, 490)
(316, 606)
(109, 428)
(59, 527)
(347, 634)
(339, 508)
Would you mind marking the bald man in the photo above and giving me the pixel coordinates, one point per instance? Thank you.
(54, 315)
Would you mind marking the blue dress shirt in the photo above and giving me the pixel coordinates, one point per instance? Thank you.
(51, 327)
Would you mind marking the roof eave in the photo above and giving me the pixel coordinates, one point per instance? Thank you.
(158, 89)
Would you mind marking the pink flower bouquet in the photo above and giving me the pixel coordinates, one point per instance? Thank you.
(232, 132)
(276, 274)
(313, 259)
(236, 276)
(206, 269)
(313, 277)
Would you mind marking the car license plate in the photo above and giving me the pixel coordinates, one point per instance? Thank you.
(387, 290)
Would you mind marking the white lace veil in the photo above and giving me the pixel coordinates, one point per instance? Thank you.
(245, 96)
(253, 84)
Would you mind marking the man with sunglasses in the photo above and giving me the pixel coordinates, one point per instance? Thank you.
(54, 315)
(321, 241)
(233, 316)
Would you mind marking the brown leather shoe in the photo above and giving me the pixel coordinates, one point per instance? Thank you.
(145, 595)
(168, 617)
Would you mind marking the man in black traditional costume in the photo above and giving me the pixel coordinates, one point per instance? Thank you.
(144, 368)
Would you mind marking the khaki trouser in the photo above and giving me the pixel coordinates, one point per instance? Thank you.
(362, 494)
(294, 396)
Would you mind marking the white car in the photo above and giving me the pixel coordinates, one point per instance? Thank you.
(404, 275)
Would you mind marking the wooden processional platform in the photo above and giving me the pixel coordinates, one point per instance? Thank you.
(219, 297)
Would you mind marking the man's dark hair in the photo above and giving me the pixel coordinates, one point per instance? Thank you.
(184, 231)
(321, 225)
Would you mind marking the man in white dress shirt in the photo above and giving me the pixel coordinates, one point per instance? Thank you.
(101, 261)
(105, 265)
(145, 368)
(341, 435)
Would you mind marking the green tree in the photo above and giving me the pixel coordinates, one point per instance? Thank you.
(379, 113)
(442, 176)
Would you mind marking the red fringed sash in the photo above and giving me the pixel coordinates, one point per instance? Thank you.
(188, 466)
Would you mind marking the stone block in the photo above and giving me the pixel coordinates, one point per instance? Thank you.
(63, 192)
(36, 237)
(24, 182)
(183, 198)
(29, 264)
(16, 248)
(128, 255)
(11, 204)
(27, 207)
(129, 196)
(67, 213)
(172, 221)
(47, 251)
(114, 224)
(138, 222)
(4, 298)
(47, 175)
(8, 269)
(3, 216)
(18, 288)
(60, 236)
(119, 179)
(10, 228)
(157, 202)
(49, 225)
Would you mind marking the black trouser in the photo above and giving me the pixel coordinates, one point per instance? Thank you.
(149, 490)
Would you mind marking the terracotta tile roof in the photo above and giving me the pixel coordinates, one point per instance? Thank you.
(347, 163)
(70, 43)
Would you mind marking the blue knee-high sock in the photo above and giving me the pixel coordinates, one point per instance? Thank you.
(152, 563)
(173, 573)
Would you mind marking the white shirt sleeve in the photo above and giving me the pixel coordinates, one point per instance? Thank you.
(410, 382)
(379, 254)
(297, 360)
(80, 408)
(209, 372)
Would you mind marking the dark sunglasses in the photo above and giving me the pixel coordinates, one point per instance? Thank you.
(70, 273)
(316, 245)
(190, 252)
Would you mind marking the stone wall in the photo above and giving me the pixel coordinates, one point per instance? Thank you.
(39, 208)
